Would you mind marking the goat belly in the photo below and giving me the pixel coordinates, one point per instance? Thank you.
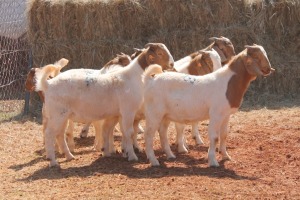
(186, 106)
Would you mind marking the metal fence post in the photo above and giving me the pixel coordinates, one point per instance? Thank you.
(27, 94)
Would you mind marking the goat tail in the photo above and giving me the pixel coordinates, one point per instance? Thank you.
(151, 71)
(42, 74)
(59, 65)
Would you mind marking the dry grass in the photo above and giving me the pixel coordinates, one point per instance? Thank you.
(264, 144)
(91, 32)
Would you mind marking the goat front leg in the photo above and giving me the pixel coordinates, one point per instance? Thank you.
(196, 134)
(85, 130)
(126, 124)
(223, 137)
(69, 135)
(137, 128)
(107, 131)
(98, 142)
(213, 134)
(181, 141)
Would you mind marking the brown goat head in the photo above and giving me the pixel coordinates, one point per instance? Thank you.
(224, 47)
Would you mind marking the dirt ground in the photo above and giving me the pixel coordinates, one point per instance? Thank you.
(264, 144)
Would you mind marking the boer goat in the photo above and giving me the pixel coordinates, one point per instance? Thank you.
(222, 51)
(118, 62)
(85, 96)
(214, 96)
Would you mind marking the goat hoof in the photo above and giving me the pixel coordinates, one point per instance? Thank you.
(154, 163)
(106, 154)
(213, 164)
(137, 150)
(133, 158)
(70, 158)
(171, 157)
(182, 150)
(97, 148)
(226, 157)
(54, 164)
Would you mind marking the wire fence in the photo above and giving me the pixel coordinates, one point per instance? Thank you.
(14, 58)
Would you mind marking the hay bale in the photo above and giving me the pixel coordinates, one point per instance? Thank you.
(91, 32)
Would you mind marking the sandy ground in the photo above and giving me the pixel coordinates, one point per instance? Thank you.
(264, 145)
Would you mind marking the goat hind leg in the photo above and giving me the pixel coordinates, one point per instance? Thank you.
(164, 141)
(196, 134)
(181, 141)
(128, 130)
(61, 139)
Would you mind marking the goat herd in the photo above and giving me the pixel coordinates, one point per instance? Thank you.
(207, 84)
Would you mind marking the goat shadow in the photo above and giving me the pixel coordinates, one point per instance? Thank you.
(183, 165)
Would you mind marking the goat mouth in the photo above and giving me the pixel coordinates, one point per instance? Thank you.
(267, 72)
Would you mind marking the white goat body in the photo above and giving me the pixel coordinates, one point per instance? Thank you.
(185, 98)
(221, 51)
(83, 95)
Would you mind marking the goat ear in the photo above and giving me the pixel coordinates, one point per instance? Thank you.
(199, 57)
(220, 52)
(213, 39)
(32, 70)
(205, 55)
(149, 45)
(137, 50)
(250, 49)
(252, 67)
(151, 58)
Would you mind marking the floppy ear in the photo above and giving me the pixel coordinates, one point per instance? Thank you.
(151, 58)
(220, 52)
(251, 65)
(250, 49)
(137, 50)
(149, 45)
(199, 57)
(151, 48)
(213, 39)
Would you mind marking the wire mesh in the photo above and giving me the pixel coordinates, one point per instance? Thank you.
(14, 54)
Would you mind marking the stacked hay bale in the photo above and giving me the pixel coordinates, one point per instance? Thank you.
(91, 32)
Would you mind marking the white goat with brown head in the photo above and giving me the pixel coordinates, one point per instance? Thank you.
(116, 63)
(81, 95)
(221, 50)
(214, 96)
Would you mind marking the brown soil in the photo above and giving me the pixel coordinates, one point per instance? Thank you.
(264, 144)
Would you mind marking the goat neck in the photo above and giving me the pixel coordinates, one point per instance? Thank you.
(238, 83)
